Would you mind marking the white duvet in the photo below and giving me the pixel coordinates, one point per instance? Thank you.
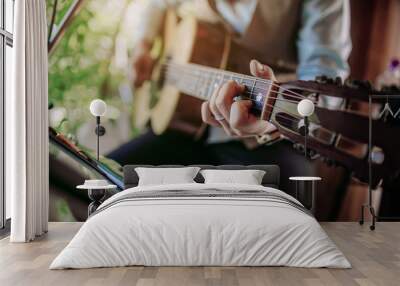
(200, 231)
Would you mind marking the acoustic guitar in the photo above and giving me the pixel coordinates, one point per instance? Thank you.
(189, 71)
(183, 41)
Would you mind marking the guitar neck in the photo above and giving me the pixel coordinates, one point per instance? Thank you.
(200, 82)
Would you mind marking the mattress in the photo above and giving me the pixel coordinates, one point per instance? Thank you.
(201, 225)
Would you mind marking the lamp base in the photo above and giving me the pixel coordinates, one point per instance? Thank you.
(96, 195)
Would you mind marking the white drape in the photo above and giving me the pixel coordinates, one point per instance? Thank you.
(27, 124)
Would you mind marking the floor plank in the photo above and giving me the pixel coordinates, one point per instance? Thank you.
(375, 257)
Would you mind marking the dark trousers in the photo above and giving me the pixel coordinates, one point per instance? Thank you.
(176, 148)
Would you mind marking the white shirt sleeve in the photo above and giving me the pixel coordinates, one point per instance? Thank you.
(151, 16)
(324, 42)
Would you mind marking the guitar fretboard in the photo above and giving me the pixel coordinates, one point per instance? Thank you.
(200, 81)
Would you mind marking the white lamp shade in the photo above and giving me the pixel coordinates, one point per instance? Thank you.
(98, 107)
(305, 107)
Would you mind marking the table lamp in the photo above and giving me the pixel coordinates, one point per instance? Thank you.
(98, 108)
(305, 108)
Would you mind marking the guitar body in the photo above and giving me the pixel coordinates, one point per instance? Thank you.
(187, 41)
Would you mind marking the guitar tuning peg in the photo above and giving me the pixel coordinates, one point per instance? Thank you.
(348, 83)
(330, 80)
(356, 84)
(321, 79)
(390, 88)
(338, 81)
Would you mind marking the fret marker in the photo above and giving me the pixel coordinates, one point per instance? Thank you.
(259, 96)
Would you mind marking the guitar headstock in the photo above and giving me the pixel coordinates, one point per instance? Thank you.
(339, 127)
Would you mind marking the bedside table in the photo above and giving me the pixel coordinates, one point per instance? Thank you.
(309, 186)
(96, 192)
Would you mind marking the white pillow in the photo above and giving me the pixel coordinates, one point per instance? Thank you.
(248, 177)
(162, 176)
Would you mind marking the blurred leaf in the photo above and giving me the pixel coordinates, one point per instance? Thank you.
(63, 211)
(81, 66)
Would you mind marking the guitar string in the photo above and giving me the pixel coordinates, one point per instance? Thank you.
(289, 116)
(270, 97)
(270, 83)
(207, 69)
(267, 104)
(282, 109)
(252, 93)
(278, 107)
(216, 71)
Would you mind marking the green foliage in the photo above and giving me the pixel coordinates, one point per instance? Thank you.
(62, 8)
(81, 68)
(64, 213)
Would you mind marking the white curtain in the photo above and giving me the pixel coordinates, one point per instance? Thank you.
(27, 124)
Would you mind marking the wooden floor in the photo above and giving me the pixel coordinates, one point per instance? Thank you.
(375, 257)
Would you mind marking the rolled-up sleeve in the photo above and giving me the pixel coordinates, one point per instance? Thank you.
(324, 42)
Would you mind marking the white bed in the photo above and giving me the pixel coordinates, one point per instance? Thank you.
(185, 230)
